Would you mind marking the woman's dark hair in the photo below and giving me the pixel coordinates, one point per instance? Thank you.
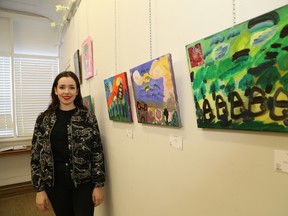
(55, 103)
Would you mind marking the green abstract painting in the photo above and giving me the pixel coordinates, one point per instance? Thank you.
(239, 76)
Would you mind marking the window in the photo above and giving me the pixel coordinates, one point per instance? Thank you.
(30, 87)
(6, 122)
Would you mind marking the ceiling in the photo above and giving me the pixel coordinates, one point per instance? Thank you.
(42, 8)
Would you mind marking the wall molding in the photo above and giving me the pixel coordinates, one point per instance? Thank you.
(16, 189)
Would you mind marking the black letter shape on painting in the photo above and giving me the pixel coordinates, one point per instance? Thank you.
(207, 110)
(236, 104)
(221, 105)
(262, 100)
(280, 104)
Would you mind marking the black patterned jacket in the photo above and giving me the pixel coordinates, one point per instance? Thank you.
(86, 156)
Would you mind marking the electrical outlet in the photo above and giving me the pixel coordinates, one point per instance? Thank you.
(129, 133)
(176, 142)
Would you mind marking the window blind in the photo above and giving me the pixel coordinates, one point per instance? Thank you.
(6, 111)
(33, 78)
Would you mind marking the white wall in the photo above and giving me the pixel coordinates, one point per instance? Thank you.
(14, 169)
(40, 39)
(5, 36)
(30, 35)
(218, 172)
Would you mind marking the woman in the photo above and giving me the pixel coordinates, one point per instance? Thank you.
(67, 160)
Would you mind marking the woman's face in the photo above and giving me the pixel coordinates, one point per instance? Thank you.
(66, 91)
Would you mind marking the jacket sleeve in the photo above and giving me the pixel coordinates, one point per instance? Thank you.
(98, 165)
(37, 182)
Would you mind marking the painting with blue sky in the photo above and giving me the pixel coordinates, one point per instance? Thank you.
(155, 92)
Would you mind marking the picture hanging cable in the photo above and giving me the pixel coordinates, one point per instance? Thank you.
(234, 11)
(150, 28)
(87, 17)
(115, 29)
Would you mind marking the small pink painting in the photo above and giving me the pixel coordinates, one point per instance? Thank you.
(87, 59)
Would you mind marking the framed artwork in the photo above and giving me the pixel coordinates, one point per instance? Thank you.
(118, 98)
(155, 92)
(239, 76)
(87, 101)
(77, 65)
(87, 59)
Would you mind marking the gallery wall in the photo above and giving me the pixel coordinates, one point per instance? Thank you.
(217, 172)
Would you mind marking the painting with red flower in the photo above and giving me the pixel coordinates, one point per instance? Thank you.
(196, 55)
(239, 76)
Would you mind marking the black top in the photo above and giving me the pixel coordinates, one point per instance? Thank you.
(59, 138)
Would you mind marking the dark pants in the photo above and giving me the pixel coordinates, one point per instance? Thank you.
(67, 200)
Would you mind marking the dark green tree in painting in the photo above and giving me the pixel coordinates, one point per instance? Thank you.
(214, 88)
(174, 121)
(198, 85)
(245, 83)
(268, 79)
(229, 88)
(284, 81)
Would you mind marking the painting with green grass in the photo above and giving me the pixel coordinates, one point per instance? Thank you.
(239, 76)
(118, 98)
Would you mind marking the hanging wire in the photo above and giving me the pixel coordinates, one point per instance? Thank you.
(87, 18)
(115, 29)
(150, 28)
(234, 11)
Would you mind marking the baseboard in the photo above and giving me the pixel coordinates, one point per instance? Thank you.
(16, 189)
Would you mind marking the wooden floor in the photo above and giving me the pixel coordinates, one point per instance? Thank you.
(21, 205)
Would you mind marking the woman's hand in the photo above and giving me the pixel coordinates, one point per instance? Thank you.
(98, 196)
(42, 201)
